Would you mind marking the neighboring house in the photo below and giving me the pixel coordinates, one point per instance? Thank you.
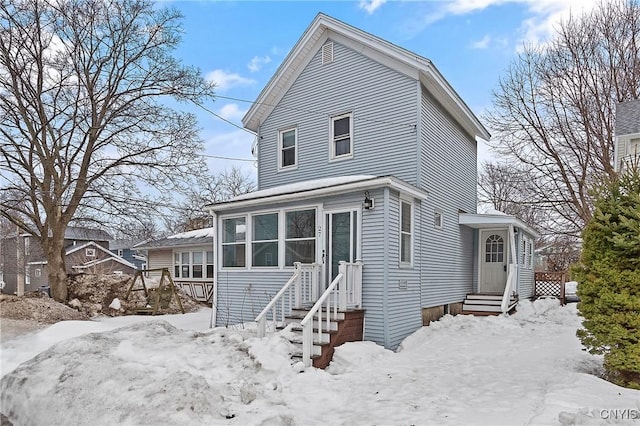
(23, 263)
(189, 258)
(125, 249)
(366, 155)
(627, 135)
(86, 258)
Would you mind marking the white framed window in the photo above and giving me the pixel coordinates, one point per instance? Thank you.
(494, 249)
(192, 264)
(437, 219)
(27, 248)
(120, 251)
(341, 136)
(406, 233)
(37, 272)
(264, 245)
(90, 252)
(27, 276)
(530, 254)
(288, 149)
(234, 247)
(300, 236)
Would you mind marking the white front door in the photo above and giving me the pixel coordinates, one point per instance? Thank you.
(341, 240)
(494, 256)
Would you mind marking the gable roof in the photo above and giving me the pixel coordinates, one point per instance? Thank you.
(197, 237)
(402, 60)
(628, 118)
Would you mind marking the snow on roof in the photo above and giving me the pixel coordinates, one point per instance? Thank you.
(302, 186)
(196, 233)
(495, 212)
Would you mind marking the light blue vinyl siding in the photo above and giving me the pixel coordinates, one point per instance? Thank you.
(384, 112)
(448, 173)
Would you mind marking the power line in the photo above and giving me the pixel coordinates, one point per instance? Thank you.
(227, 158)
(309, 111)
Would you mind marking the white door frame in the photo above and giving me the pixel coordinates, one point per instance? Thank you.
(325, 255)
(481, 241)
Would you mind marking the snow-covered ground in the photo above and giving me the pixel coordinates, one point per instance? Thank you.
(525, 369)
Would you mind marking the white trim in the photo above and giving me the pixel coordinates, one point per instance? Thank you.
(405, 264)
(358, 243)
(281, 132)
(249, 237)
(332, 140)
(106, 259)
(290, 193)
(483, 221)
(506, 252)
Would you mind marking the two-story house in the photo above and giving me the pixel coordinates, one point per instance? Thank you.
(627, 135)
(366, 156)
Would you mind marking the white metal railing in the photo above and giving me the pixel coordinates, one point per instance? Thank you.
(345, 291)
(302, 288)
(506, 297)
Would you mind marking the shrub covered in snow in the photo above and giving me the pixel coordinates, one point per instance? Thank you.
(609, 277)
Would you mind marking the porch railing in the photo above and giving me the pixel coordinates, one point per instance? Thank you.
(344, 292)
(301, 289)
(508, 288)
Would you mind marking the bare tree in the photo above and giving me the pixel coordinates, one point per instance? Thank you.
(83, 117)
(190, 213)
(507, 188)
(554, 109)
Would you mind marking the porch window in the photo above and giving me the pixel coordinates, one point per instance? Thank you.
(406, 232)
(190, 264)
(300, 236)
(342, 136)
(234, 242)
(264, 248)
(494, 249)
(288, 155)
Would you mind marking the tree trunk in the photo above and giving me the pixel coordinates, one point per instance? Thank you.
(56, 272)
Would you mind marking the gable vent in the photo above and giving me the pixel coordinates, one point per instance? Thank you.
(327, 53)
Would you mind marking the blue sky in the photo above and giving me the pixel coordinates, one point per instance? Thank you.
(240, 44)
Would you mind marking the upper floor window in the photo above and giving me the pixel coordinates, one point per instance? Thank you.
(342, 136)
(90, 252)
(288, 148)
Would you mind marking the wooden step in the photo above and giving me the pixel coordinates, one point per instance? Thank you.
(478, 296)
(481, 308)
(301, 313)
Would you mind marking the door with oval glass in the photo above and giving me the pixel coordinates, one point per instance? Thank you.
(494, 257)
(341, 241)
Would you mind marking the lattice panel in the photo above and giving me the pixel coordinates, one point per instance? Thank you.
(549, 284)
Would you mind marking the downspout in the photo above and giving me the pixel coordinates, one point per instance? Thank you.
(385, 271)
(214, 298)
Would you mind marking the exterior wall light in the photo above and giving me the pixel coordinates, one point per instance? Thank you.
(368, 203)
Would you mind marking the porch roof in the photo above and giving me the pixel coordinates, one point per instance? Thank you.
(318, 187)
(492, 220)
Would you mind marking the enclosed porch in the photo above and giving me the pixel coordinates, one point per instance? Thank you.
(503, 262)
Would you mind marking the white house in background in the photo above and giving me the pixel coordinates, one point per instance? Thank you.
(189, 258)
(627, 135)
(366, 201)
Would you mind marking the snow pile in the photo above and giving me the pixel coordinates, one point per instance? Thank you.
(525, 369)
